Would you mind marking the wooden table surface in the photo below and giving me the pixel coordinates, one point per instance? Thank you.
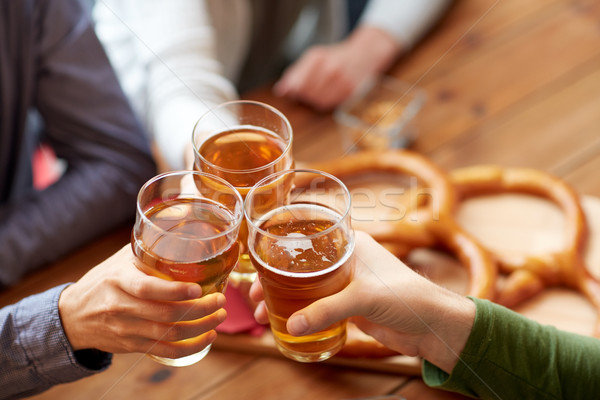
(509, 82)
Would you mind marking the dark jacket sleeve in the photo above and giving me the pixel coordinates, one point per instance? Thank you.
(509, 356)
(90, 124)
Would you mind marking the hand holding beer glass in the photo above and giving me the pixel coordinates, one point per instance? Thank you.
(188, 232)
(301, 244)
(242, 142)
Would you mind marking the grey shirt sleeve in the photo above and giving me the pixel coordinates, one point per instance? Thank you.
(34, 351)
(89, 123)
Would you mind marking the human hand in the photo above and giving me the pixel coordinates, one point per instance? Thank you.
(325, 76)
(398, 307)
(117, 308)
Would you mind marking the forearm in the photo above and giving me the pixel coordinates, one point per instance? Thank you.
(89, 124)
(172, 123)
(510, 356)
(35, 354)
(88, 200)
(182, 86)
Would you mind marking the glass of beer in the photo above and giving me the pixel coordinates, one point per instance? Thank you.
(243, 142)
(301, 243)
(186, 229)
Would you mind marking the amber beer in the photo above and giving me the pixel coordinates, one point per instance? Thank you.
(243, 142)
(295, 273)
(242, 156)
(302, 250)
(174, 253)
(186, 232)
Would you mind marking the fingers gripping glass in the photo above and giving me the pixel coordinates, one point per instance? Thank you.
(301, 243)
(186, 229)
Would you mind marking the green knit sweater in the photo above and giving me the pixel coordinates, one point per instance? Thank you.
(508, 356)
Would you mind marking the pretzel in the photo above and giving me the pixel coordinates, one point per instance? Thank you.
(410, 231)
(481, 266)
(435, 227)
(529, 274)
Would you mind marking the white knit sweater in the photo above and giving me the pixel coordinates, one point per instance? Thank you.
(178, 58)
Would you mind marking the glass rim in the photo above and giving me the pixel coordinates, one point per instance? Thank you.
(237, 220)
(343, 215)
(284, 154)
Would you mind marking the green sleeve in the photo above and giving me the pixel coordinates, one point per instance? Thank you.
(509, 356)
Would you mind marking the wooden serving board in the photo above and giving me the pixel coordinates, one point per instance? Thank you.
(503, 223)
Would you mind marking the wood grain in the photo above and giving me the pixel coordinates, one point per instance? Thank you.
(509, 82)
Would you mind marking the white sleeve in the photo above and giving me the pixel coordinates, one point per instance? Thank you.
(406, 20)
(178, 75)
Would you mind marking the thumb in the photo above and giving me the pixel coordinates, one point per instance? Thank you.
(322, 313)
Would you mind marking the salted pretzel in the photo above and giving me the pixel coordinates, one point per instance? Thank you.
(529, 274)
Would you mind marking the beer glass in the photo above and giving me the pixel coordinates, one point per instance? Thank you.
(301, 244)
(243, 142)
(186, 229)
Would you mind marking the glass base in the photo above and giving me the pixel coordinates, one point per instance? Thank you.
(308, 357)
(183, 361)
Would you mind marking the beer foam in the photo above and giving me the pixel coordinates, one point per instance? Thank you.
(303, 242)
(295, 247)
(349, 250)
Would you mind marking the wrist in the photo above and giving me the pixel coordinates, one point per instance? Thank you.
(450, 331)
(376, 45)
(66, 314)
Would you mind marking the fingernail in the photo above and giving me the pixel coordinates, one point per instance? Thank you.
(195, 291)
(297, 325)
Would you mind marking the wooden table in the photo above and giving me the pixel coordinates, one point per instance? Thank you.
(509, 82)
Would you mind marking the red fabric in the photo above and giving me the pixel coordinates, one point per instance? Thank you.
(240, 316)
(45, 166)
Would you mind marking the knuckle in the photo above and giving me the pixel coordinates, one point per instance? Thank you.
(120, 332)
(139, 288)
(131, 347)
(166, 312)
(113, 308)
